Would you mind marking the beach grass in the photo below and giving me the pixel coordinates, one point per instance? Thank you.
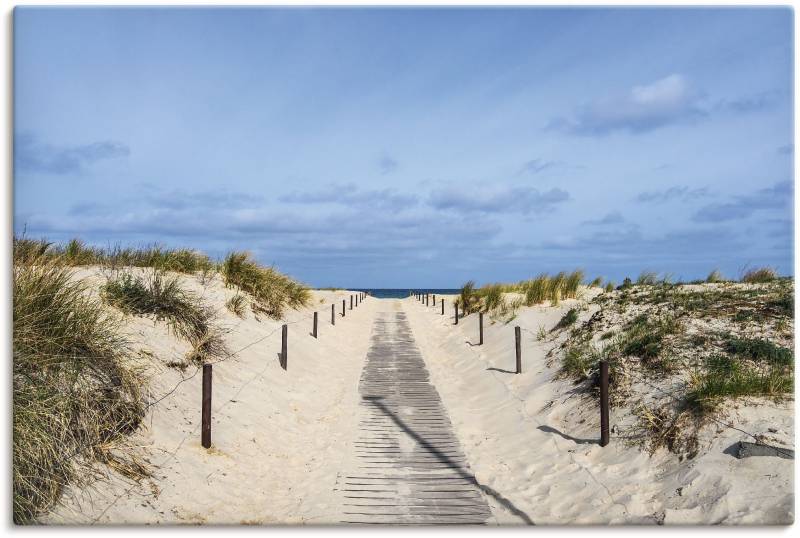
(74, 390)
(162, 296)
(271, 291)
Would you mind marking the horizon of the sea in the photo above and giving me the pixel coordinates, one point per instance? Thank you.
(402, 293)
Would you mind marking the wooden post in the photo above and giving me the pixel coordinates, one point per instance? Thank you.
(480, 328)
(604, 407)
(344, 302)
(456, 308)
(284, 346)
(333, 314)
(434, 300)
(205, 437)
(356, 301)
(518, 341)
(443, 306)
(351, 302)
(314, 332)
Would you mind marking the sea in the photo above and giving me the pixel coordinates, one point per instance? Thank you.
(402, 293)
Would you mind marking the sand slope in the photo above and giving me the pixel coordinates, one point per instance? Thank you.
(280, 438)
(532, 438)
(277, 435)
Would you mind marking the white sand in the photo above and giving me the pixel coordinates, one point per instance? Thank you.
(281, 437)
(516, 430)
(277, 436)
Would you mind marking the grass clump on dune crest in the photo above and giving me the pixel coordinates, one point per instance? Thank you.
(162, 296)
(74, 391)
(271, 291)
(759, 276)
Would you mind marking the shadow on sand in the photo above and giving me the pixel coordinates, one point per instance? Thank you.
(378, 404)
(549, 429)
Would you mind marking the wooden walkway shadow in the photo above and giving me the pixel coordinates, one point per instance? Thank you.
(411, 469)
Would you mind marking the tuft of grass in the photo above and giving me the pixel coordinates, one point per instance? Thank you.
(730, 377)
(578, 362)
(609, 286)
(567, 320)
(162, 296)
(626, 283)
(271, 291)
(74, 393)
(597, 282)
(468, 297)
(237, 305)
(759, 350)
(715, 276)
(758, 276)
(645, 338)
(647, 278)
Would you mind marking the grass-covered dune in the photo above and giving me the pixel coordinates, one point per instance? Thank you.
(78, 388)
(677, 351)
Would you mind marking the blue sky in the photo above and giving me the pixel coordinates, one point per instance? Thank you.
(413, 147)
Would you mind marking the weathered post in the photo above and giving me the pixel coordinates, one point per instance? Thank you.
(518, 341)
(333, 314)
(480, 328)
(284, 346)
(344, 301)
(604, 407)
(434, 300)
(456, 309)
(314, 332)
(351, 302)
(443, 306)
(205, 436)
(356, 301)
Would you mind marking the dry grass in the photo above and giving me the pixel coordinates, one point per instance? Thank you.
(162, 296)
(270, 290)
(757, 276)
(73, 388)
(76, 253)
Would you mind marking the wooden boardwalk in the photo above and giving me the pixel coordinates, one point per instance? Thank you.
(409, 467)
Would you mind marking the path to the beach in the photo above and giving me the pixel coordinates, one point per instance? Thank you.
(408, 466)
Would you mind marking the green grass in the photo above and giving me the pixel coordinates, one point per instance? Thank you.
(759, 350)
(270, 290)
(578, 361)
(74, 393)
(715, 276)
(162, 296)
(730, 377)
(568, 319)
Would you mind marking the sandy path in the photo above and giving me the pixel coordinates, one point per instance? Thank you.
(407, 465)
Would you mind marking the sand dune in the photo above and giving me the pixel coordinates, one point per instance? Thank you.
(281, 438)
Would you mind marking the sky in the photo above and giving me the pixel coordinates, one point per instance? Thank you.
(413, 147)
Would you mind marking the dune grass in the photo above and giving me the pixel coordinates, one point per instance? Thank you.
(74, 391)
(270, 290)
(567, 320)
(76, 253)
(729, 376)
(162, 296)
(236, 305)
(759, 276)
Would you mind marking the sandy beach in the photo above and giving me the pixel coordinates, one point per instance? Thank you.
(281, 439)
